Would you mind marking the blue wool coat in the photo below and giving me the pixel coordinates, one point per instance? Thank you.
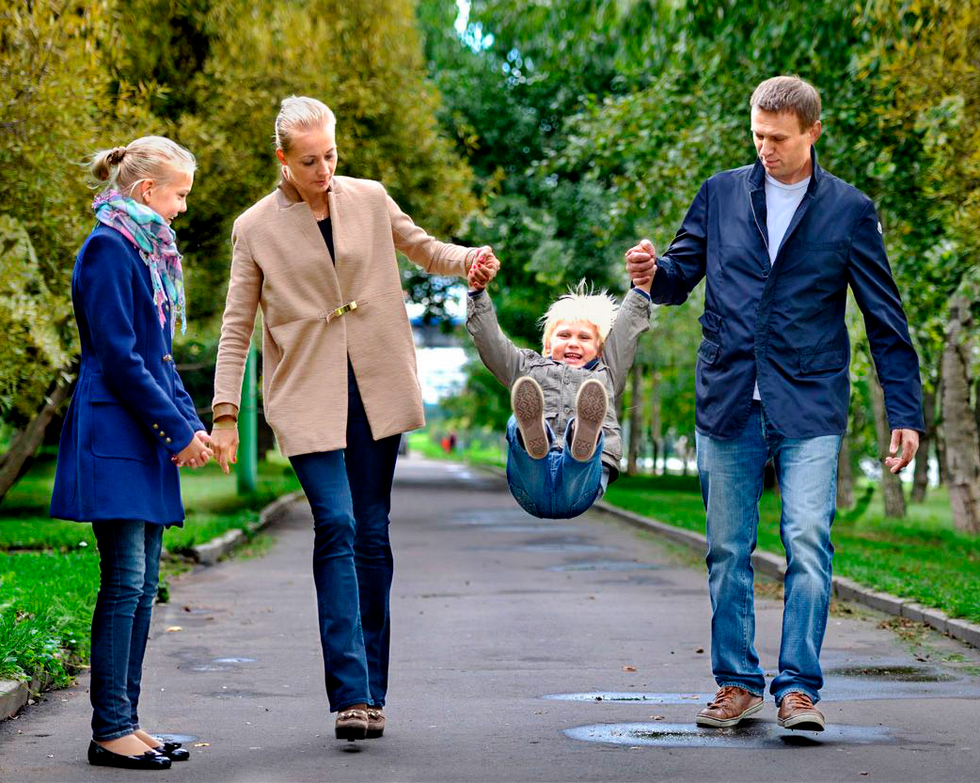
(783, 324)
(129, 413)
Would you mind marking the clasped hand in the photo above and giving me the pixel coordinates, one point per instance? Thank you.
(483, 269)
(195, 454)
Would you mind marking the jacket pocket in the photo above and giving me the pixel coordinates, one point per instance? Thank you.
(825, 360)
(710, 322)
(708, 351)
(117, 435)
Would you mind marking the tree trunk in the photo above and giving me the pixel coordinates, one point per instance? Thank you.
(920, 480)
(962, 450)
(845, 476)
(655, 422)
(26, 444)
(891, 484)
(636, 417)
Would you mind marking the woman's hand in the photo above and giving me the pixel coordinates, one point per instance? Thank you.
(483, 269)
(224, 441)
(196, 453)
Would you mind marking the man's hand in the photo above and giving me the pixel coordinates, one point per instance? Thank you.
(641, 264)
(196, 453)
(483, 269)
(224, 441)
(908, 442)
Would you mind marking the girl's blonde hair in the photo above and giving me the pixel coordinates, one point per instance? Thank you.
(298, 114)
(154, 158)
(581, 303)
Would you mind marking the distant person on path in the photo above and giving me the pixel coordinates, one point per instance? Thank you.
(130, 425)
(779, 242)
(563, 441)
(340, 385)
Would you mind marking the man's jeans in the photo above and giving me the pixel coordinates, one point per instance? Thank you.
(129, 563)
(731, 484)
(350, 494)
(557, 486)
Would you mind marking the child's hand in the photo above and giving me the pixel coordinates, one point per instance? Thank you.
(641, 263)
(482, 270)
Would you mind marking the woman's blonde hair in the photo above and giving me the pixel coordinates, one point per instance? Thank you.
(581, 303)
(298, 114)
(148, 158)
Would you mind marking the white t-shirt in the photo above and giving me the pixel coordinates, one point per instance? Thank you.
(781, 203)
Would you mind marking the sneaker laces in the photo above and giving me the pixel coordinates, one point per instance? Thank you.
(798, 701)
(726, 694)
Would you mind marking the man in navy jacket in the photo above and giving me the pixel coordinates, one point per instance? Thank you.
(778, 243)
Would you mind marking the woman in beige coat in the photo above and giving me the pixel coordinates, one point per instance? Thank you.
(339, 380)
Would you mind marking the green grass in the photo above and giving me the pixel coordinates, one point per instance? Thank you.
(921, 557)
(49, 569)
(491, 452)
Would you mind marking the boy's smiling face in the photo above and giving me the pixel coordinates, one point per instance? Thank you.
(575, 343)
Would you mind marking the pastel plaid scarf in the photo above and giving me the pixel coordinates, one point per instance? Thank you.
(156, 242)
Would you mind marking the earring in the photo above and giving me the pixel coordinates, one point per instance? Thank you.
(285, 172)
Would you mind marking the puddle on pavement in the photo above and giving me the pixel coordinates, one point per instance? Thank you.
(234, 660)
(752, 735)
(233, 693)
(632, 698)
(183, 739)
(893, 673)
(606, 565)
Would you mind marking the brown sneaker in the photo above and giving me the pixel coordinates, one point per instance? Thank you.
(527, 400)
(590, 411)
(376, 722)
(728, 707)
(796, 711)
(351, 724)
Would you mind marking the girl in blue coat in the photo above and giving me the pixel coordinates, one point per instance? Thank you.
(130, 425)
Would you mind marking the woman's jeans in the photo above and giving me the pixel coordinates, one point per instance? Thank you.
(350, 493)
(731, 484)
(558, 486)
(129, 554)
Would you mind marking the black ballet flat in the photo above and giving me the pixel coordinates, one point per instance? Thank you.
(173, 751)
(100, 757)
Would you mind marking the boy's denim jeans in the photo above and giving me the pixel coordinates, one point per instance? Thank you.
(129, 563)
(557, 486)
(731, 484)
(350, 493)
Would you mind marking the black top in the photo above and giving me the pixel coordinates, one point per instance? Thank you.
(327, 230)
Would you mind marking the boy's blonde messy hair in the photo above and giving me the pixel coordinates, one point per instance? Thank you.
(581, 303)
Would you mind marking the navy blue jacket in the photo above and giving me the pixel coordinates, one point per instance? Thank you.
(784, 325)
(129, 413)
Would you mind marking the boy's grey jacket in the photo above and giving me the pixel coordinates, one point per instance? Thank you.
(560, 382)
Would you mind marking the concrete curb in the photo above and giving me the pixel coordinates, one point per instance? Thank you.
(844, 589)
(15, 695)
(210, 552)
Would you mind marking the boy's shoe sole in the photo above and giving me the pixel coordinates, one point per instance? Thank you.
(590, 411)
(527, 400)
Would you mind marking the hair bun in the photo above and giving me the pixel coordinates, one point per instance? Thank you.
(114, 158)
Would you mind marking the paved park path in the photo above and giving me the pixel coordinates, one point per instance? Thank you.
(506, 629)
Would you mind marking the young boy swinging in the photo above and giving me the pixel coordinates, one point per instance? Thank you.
(572, 388)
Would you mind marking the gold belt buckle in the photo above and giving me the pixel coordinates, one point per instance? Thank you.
(343, 310)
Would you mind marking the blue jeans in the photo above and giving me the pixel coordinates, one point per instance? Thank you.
(557, 486)
(731, 484)
(350, 493)
(129, 564)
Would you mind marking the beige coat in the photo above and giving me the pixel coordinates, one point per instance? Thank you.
(280, 263)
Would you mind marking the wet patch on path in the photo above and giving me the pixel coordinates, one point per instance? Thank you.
(750, 735)
(606, 565)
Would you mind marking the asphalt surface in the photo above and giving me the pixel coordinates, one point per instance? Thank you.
(522, 650)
